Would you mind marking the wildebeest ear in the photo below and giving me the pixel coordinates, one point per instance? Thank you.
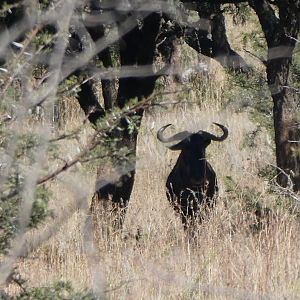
(178, 146)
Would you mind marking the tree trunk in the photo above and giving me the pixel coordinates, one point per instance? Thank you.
(89, 102)
(281, 34)
(286, 123)
(138, 48)
(109, 92)
(221, 50)
(212, 22)
(108, 85)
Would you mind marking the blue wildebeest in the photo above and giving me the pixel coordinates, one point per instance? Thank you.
(192, 184)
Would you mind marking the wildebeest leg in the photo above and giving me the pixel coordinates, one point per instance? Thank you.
(212, 192)
(176, 204)
(184, 220)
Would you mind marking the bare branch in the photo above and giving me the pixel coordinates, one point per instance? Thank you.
(286, 191)
(262, 60)
(92, 143)
(297, 91)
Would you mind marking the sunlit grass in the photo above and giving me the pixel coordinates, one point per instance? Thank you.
(226, 260)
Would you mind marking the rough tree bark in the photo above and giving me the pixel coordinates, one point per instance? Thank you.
(212, 22)
(281, 33)
(137, 48)
(97, 32)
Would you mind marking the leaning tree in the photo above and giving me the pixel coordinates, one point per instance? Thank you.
(280, 21)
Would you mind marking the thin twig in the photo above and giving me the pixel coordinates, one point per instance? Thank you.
(92, 143)
(291, 88)
(286, 191)
(292, 38)
(257, 57)
(20, 54)
(122, 283)
(9, 7)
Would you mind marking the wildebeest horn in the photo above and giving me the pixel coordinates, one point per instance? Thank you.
(214, 137)
(176, 137)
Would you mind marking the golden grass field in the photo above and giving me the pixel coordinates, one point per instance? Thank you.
(226, 260)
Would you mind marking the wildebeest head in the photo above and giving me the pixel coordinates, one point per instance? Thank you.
(192, 142)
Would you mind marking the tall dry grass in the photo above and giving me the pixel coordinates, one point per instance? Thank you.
(226, 260)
